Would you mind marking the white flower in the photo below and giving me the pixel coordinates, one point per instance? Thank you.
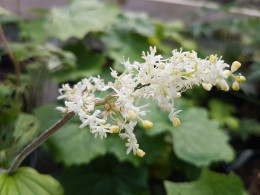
(158, 79)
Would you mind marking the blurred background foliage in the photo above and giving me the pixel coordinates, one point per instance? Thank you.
(219, 132)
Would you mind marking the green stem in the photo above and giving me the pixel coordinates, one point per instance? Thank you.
(44, 136)
(38, 141)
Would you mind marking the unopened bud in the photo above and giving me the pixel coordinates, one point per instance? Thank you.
(107, 107)
(176, 122)
(131, 115)
(235, 86)
(213, 59)
(147, 124)
(178, 95)
(162, 66)
(140, 153)
(110, 84)
(207, 86)
(235, 66)
(240, 79)
(223, 85)
(114, 129)
(227, 72)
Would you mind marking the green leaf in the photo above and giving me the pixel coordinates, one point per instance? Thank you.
(209, 183)
(80, 18)
(88, 63)
(199, 140)
(136, 22)
(26, 128)
(28, 181)
(105, 175)
(121, 44)
(223, 113)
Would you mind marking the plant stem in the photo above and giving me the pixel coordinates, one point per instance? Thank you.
(44, 136)
(105, 100)
(38, 141)
(15, 63)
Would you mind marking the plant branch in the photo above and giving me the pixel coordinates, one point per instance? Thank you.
(38, 141)
(16, 65)
(105, 100)
(44, 136)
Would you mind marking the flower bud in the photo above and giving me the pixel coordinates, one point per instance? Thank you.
(213, 59)
(110, 84)
(240, 79)
(223, 85)
(178, 95)
(114, 129)
(207, 86)
(227, 72)
(147, 124)
(235, 86)
(140, 153)
(176, 122)
(162, 66)
(235, 66)
(131, 115)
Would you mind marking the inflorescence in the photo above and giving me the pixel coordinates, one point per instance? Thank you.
(158, 79)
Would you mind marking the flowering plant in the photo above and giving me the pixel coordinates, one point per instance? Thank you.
(158, 79)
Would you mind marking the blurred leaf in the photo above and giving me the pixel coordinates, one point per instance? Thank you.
(136, 22)
(122, 45)
(4, 11)
(105, 175)
(89, 63)
(52, 57)
(209, 183)
(71, 138)
(35, 29)
(248, 127)
(80, 18)
(199, 140)
(28, 181)
(222, 112)
(26, 128)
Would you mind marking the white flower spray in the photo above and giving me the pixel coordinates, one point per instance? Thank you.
(160, 79)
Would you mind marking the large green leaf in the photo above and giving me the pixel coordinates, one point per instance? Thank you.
(80, 18)
(27, 181)
(105, 175)
(199, 140)
(72, 145)
(26, 128)
(209, 183)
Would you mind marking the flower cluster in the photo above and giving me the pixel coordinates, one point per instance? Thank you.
(156, 78)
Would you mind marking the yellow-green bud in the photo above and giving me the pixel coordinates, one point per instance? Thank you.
(140, 153)
(178, 95)
(235, 66)
(114, 129)
(223, 85)
(227, 72)
(213, 59)
(147, 124)
(131, 115)
(176, 122)
(240, 79)
(235, 86)
(207, 86)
